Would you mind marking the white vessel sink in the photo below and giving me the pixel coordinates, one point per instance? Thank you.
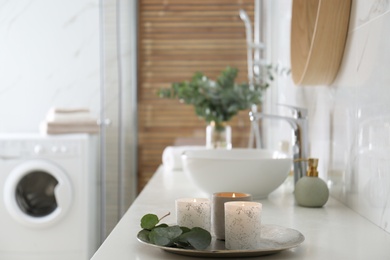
(254, 171)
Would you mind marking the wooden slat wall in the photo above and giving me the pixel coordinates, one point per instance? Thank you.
(176, 39)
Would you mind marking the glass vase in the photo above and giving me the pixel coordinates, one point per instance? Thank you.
(218, 136)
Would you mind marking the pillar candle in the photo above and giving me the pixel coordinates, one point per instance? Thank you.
(218, 210)
(193, 213)
(242, 225)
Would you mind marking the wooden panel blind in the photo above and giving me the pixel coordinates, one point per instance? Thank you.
(176, 39)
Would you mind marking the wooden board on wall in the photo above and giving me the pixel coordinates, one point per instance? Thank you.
(177, 38)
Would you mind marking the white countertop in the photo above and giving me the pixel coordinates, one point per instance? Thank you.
(331, 232)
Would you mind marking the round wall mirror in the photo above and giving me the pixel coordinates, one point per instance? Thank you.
(318, 34)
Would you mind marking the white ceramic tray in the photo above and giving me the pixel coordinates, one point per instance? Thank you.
(274, 239)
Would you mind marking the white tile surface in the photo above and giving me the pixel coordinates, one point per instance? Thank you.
(364, 11)
(350, 120)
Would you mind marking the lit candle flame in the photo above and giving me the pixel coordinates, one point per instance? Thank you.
(234, 195)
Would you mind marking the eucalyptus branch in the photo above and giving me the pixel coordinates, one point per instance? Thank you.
(166, 215)
(218, 101)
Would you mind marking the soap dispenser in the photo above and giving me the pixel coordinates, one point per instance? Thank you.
(310, 190)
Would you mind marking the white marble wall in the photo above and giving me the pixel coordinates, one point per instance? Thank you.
(49, 56)
(349, 120)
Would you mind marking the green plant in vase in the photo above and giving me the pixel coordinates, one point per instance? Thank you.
(217, 102)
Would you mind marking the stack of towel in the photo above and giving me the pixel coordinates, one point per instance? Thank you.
(69, 120)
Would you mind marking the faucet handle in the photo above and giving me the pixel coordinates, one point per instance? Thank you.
(299, 112)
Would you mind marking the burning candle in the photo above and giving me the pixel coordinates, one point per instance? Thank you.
(242, 225)
(193, 213)
(218, 210)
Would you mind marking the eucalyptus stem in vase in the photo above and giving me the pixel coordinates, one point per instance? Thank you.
(217, 101)
(218, 135)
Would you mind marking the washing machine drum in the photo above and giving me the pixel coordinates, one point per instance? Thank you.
(37, 193)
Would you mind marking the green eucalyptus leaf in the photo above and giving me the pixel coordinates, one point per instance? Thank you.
(159, 239)
(185, 229)
(184, 245)
(144, 235)
(198, 238)
(164, 236)
(162, 225)
(149, 221)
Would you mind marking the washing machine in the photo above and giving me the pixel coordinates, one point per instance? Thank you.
(49, 207)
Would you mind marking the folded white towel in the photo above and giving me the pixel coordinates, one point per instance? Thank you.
(57, 110)
(69, 120)
(68, 115)
(171, 156)
(61, 128)
(89, 122)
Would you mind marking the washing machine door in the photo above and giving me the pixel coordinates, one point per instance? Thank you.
(37, 193)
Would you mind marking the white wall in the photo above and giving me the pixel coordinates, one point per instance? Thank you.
(49, 56)
(349, 120)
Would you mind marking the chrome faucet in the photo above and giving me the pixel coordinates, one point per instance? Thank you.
(299, 125)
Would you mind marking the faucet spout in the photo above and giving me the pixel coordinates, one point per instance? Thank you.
(300, 147)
